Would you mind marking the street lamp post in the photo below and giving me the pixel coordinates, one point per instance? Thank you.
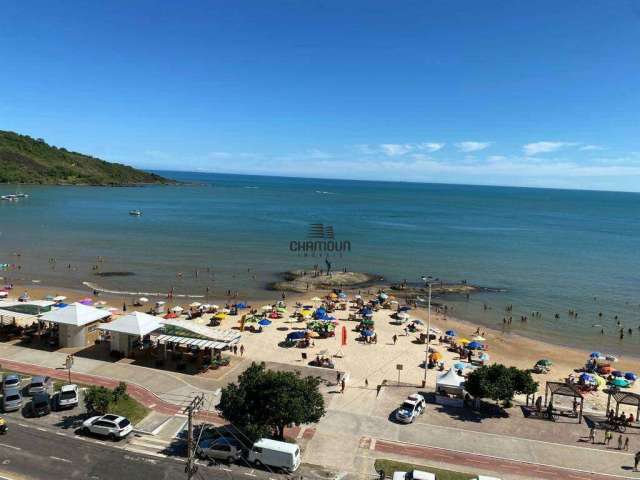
(427, 282)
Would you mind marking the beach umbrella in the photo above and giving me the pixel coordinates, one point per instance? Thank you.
(484, 357)
(220, 316)
(474, 346)
(225, 310)
(451, 333)
(587, 378)
(195, 304)
(601, 382)
(170, 315)
(86, 301)
(595, 355)
(264, 322)
(4, 294)
(383, 296)
(177, 309)
(478, 338)
(59, 298)
(619, 382)
(215, 307)
(404, 309)
(463, 341)
(266, 307)
(460, 366)
(632, 377)
(617, 373)
(49, 297)
(143, 300)
(316, 299)
(611, 358)
(432, 330)
(402, 316)
(544, 362)
(342, 295)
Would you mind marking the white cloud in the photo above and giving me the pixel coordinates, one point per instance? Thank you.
(318, 154)
(588, 148)
(395, 149)
(472, 146)
(545, 147)
(430, 146)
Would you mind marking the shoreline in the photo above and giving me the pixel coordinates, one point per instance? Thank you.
(511, 348)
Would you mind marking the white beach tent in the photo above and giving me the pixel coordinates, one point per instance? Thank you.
(76, 322)
(450, 382)
(129, 328)
(135, 323)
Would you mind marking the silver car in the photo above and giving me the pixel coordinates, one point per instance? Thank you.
(40, 384)
(11, 380)
(11, 400)
(221, 448)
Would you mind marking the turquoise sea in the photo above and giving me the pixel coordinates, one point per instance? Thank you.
(550, 250)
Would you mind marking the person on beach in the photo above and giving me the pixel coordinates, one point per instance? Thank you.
(343, 384)
(395, 338)
(241, 350)
(626, 444)
(608, 436)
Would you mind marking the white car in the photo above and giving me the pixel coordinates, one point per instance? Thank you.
(413, 406)
(67, 397)
(112, 426)
(414, 475)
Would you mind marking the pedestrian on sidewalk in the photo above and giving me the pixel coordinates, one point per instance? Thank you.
(619, 442)
(608, 436)
(592, 435)
(626, 444)
(395, 338)
(343, 384)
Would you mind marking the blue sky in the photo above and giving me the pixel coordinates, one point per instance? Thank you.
(510, 93)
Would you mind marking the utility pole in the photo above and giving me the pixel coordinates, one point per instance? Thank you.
(427, 281)
(191, 468)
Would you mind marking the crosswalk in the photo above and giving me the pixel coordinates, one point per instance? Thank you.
(150, 445)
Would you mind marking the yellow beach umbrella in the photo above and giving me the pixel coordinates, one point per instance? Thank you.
(464, 341)
(220, 316)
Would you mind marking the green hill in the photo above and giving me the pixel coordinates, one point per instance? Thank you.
(28, 160)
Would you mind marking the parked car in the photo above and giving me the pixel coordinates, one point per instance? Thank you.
(413, 406)
(11, 399)
(414, 475)
(112, 426)
(40, 404)
(67, 397)
(39, 384)
(11, 380)
(221, 448)
(272, 453)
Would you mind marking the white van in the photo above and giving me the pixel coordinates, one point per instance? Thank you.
(275, 454)
(413, 475)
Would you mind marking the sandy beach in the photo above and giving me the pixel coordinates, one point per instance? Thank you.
(374, 363)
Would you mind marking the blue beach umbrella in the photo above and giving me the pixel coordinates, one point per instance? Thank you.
(474, 346)
(297, 335)
(404, 309)
(264, 322)
(459, 366)
(451, 333)
(632, 377)
(585, 377)
(595, 355)
(367, 333)
(617, 373)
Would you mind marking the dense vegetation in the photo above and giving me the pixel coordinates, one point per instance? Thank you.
(28, 160)
(264, 402)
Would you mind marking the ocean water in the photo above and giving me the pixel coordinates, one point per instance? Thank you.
(550, 250)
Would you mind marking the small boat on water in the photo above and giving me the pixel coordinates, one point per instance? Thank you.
(135, 213)
(12, 197)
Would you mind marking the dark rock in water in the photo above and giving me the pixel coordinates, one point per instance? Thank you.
(115, 274)
(439, 289)
(297, 280)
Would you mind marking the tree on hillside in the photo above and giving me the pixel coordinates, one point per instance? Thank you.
(500, 383)
(264, 402)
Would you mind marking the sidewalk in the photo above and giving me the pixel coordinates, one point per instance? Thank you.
(164, 392)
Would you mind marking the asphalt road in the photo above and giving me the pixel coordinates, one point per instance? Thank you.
(32, 453)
